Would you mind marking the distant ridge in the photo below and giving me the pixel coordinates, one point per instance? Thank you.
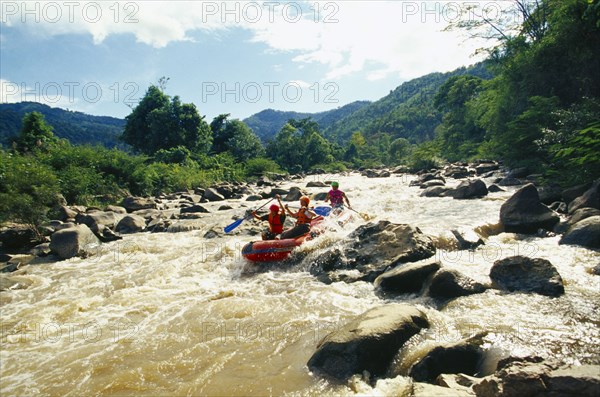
(79, 128)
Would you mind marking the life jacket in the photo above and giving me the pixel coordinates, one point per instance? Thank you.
(275, 224)
(302, 217)
(336, 197)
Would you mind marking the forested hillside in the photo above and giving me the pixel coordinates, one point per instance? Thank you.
(78, 128)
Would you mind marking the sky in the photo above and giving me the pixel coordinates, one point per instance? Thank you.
(237, 57)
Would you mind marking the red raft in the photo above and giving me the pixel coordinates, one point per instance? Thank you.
(277, 250)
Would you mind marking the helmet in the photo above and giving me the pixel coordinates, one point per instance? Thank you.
(274, 208)
(335, 184)
(304, 201)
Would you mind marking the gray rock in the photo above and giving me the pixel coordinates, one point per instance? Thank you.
(435, 191)
(16, 236)
(510, 182)
(493, 188)
(254, 197)
(316, 184)
(591, 199)
(65, 213)
(559, 206)
(97, 220)
(469, 189)
(550, 194)
(212, 195)
(116, 208)
(194, 208)
(457, 172)
(583, 213)
(467, 239)
(572, 193)
(461, 357)
(131, 224)
(518, 173)
(367, 343)
(319, 196)
(524, 213)
(406, 278)
(449, 284)
(431, 183)
(426, 390)
(585, 233)
(486, 167)
(596, 270)
(41, 250)
(294, 194)
(132, 204)
(519, 273)
(192, 198)
(76, 241)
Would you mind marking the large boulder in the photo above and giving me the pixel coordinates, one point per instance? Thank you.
(524, 213)
(131, 224)
(406, 278)
(211, 194)
(519, 273)
(469, 189)
(591, 199)
(486, 167)
(583, 213)
(449, 284)
(17, 236)
(585, 233)
(572, 193)
(435, 191)
(457, 172)
(461, 357)
(97, 220)
(132, 204)
(78, 240)
(532, 376)
(369, 342)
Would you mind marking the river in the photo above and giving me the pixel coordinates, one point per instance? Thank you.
(178, 314)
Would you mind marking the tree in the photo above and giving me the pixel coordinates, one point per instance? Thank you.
(235, 137)
(159, 122)
(35, 134)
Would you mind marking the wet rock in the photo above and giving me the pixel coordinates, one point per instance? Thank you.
(524, 213)
(449, 284)
(426, 390)
(519, 273)
(192, 198)
(518, 173)
(406, 278)
(550, 194)
(294, 194)
(424, 178)
(225, 207)
(486, 167)
(435, 191)
(585, 233)
(367, 343)
(97, 220)
(76, 241)
(591, 199)
(277, 191)
(572, 193)
(461, 357)
(224, 190)
(467, 239)
(469, 189)
(16, 237)
(583, 213)
(254, 197)
(132, 204)
(596, 270)
(316, 184)
(457, 172)
(493, 188)
(41, 250)
(531, 376)
(212, 195)
(265, 181)
(320, 196)
(107, 235)
(431, 183)
(131, 224)
(194, 208)
(509, 182)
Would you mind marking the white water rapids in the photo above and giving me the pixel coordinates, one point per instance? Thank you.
(177, 314)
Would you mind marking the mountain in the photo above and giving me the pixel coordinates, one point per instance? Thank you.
(406, 112)
(267, 123)
(79, 128)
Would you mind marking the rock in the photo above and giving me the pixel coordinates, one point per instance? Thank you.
(457, 172)
(559, 207)
(65, 213)
(510, 182)
(461, 357)
(486, 167)
(431, 183)
(265, 181)
(224, 190)
(316, 184)
(277, 191)
(531, 376)
(97, 220)
(131, 224)
(435, 191)
(192, 198)
(427, 390)
(519, 273)
(254, 197)
(467, 239)
(16, 237)
(212, 195)
(194, 208)
(115, 208)
(450, 284)
(550, 194)
(132, 204)
(493, 188)
(76, 241)
(41, 250)
(406, 278)
(225, 207)
(320, 196)
(149, 213)
(518, 173)
(596, 270)
(294, 194)
(585, 233)
(469, 189)
(401, 169)
(572, 193)
(524, 213)
(367, 343)
(591, 199)
(583, 213)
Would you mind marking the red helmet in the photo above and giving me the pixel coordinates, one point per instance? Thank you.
(274, 208)
(304, 201)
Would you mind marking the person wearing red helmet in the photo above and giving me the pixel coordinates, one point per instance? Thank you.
(303, 217)
(275, 217)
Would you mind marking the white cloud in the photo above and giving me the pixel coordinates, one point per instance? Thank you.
(51, 94)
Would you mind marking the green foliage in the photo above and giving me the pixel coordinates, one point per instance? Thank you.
(580, 156)
(236, 138)
(27, 189)
(425, 157)
(159, 122)
(35, 134)
(261, 166)
(177, 155)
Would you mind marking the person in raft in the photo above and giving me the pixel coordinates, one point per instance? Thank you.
(337, 197)
(275, 217)
(303, 218)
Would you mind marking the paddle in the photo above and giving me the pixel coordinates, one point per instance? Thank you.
(235, 224)
(366, 217)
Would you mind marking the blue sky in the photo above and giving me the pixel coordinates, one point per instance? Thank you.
(225, 57)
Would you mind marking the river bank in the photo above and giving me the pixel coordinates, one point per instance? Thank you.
(180, 312)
